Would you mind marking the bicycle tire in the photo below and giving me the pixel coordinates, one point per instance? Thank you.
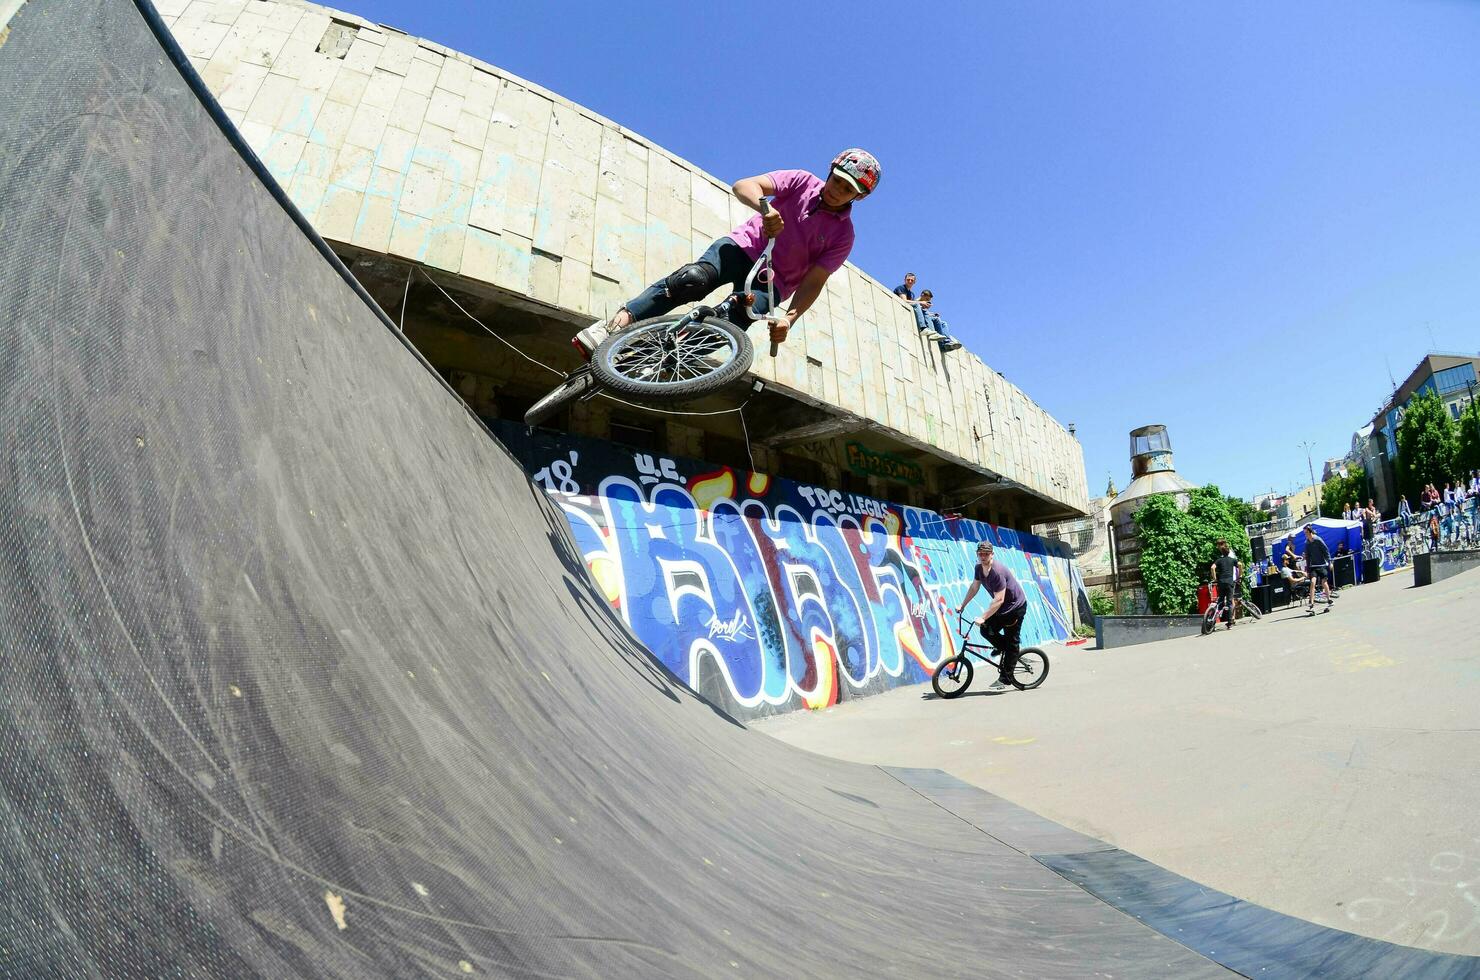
(573, 387)
(642, 340)
(1210, 619)
(1251, 609)
(1033, 664)
(944, 680)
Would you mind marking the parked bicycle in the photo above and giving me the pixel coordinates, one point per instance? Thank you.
(953, 676)
(675, 356)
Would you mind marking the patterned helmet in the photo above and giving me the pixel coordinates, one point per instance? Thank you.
(859, 168)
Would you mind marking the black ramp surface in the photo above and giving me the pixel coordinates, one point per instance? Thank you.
(299, 675)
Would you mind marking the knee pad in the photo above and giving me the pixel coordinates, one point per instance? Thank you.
(691, 283)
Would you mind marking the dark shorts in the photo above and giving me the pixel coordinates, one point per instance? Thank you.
(1320, 572)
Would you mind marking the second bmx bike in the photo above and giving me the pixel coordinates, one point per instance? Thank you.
(953, 676)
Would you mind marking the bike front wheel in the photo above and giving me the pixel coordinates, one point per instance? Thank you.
(1030, 670)
(952, 677)
(1210, 620)
(572, 388)
(672, 357)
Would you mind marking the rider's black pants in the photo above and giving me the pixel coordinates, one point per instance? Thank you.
(1004, 631)
(733, 266)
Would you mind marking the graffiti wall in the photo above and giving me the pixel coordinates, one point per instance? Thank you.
(768, 595)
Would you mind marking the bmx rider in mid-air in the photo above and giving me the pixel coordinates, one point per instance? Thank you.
(1002, 623)
(812, 222)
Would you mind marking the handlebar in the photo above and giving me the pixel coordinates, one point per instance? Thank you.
(963, 625)
(763, 273)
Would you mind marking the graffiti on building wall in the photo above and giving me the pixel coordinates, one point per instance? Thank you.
(777, 594)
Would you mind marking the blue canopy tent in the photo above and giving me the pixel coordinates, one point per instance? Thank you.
(1334, 532)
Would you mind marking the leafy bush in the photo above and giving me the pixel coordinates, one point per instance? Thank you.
(1177, 546)
(1101, 602)
(1084, 629)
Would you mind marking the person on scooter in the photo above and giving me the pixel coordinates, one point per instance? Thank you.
(1002, 623)
(812, 222)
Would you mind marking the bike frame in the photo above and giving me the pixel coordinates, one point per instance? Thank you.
(972, 647)
(761, 272)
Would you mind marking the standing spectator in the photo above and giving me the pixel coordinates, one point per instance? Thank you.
(1405, 511)
(1225, 571)
(1346, 512)
(1448, 499)
(1433, 532)
(1369, 520)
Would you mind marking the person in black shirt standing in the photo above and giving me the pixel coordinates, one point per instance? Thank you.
(1225, 572)
(1318, 564)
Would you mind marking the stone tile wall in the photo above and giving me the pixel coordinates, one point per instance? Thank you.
(398, 145)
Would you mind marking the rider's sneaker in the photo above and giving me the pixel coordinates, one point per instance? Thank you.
(999, 686)
(590, 338)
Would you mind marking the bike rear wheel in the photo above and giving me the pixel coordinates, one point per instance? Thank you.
(572, 388)
(672, 357)
(1251, 609)
(952, 677)
(1030, 670)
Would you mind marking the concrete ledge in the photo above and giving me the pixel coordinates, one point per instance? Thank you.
(1440, 565)
(1125, 631)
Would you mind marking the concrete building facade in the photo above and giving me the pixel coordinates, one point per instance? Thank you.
(473, 203)
(1456, 380)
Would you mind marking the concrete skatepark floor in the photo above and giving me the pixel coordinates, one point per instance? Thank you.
(1325, 767)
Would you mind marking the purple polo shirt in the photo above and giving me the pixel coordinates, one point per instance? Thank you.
(812, 236)
(999, 580)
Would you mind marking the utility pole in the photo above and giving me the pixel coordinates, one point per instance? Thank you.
(1308, 446)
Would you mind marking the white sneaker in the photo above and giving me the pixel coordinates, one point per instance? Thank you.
(932, 335)
(999, 686)
(587, 340)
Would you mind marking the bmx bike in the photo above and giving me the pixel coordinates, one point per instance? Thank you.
(1211, 614)
(953, 676)
(675, 356)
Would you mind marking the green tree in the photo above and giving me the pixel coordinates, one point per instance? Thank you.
(1426, 445)
(1467, 455)
(1177, 546)
(1244, 512)
(1342, 491)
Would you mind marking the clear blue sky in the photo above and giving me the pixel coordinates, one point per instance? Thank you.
(1232, 218)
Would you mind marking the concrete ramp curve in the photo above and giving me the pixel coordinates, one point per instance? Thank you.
(299, 674)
